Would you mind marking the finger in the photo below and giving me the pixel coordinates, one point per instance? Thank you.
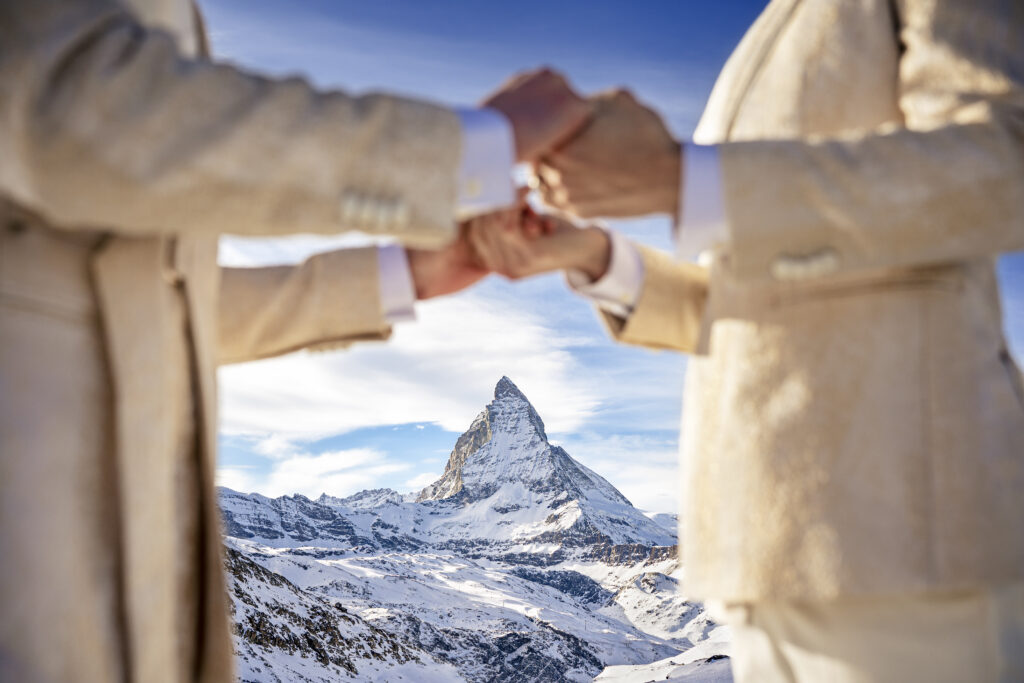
(553, 225)
(546, 192)
(548, 174)
(510, 220)
(495, 245)
(483, 250)
(553, 188)
(560, 198)
(514, 248)
(513, 82)
(466, 251)
(518, 257)
(532, 229)
(533, 225)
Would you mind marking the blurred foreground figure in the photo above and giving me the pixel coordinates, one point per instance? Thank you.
(853, 436)
(123, 156)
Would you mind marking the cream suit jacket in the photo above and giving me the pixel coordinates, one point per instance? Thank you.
(853, 421)
(123, 158)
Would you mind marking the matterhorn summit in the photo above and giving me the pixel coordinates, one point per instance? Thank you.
(518, 564)
(506, 443)
(504, 467)
(505, 489)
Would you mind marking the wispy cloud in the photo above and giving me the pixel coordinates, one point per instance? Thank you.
(336, 472)
(442, 369)
(274, 446)
(616, 407)
(420, 480)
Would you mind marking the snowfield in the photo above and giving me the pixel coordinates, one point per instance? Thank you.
(518, 564)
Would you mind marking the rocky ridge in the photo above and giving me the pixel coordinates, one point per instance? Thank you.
(517, 564)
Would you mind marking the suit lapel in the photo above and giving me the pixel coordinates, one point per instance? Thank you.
(196, 261)
(740, 70)
(135, 310)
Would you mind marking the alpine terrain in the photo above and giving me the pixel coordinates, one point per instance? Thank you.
(517, 564)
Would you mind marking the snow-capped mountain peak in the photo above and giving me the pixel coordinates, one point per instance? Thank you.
(519, 564)
(364, 499)
(506, 442)
(505, 488)
(505, 462)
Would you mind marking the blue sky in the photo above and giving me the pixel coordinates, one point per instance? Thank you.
(388, 414)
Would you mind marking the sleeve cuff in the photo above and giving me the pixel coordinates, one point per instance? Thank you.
(618, 291)
(397, 293)
(702, 225)
(488, 159)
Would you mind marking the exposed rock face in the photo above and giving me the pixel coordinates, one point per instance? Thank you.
(507, 444)
(283, 631)
(518, 564)
(572, 583)
(505, 456)
(538, 652)
(364, 499)
(504, 486)
(295, 521)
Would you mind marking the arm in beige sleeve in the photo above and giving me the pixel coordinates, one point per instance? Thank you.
(106, 124)
(329, 301)
(668, 313)
(947, 186)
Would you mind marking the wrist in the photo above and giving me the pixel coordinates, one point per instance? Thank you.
(595, 253)
(417, 263)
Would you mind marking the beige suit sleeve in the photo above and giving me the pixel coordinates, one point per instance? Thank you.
(329, 301)
(946, 187)
(105, 124)
(670, 310)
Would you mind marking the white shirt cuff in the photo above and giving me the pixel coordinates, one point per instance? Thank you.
(397, 293)
(488, 157)
(618, 291)
(703, 225)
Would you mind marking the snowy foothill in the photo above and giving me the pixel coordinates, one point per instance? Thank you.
(517, 564)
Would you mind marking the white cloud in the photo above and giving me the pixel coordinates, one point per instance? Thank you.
(420, 480)
(440, 369)
(238, 479)
(274, 446)
(338, 473)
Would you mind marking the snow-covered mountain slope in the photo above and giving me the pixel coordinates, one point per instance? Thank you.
(505, 489)
(667, 521)
(514, 485)
(517, 564)
(488, 621)
(284, 633)
(713, 669)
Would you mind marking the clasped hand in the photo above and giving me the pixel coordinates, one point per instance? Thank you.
(608, 155)
(515, 243)
(519, 243)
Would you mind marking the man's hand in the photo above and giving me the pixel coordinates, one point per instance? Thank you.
(543, 110)
(623, 163)
(447, 270)
(519, 243)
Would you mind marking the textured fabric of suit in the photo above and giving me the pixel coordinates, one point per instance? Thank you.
(855, 429)
(124, 157)
(972, 635)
